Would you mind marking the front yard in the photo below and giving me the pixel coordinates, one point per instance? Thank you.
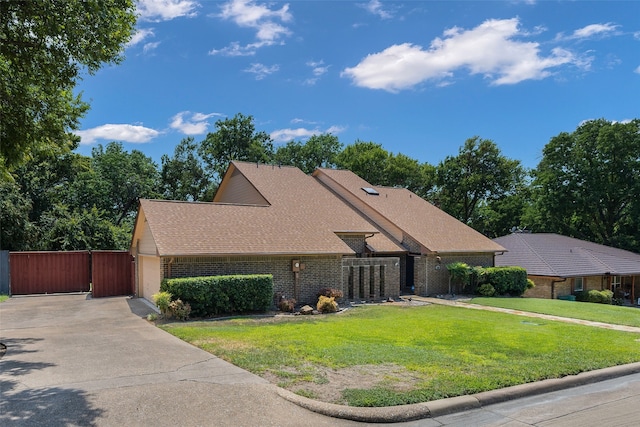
(629, 316)
(400, 353)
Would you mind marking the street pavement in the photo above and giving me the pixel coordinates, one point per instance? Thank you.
(76, 361)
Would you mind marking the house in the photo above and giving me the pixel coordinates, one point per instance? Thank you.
(330, 229)
(561, 265)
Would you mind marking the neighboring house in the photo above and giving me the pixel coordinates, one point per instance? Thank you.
(561, 265)
(331, 229)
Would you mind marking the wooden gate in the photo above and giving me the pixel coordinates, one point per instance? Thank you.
(49, 272)
(112, 273)
(107, 273)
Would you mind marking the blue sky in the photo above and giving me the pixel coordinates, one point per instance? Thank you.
(418, 77)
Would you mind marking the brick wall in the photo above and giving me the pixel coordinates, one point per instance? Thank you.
(370, 279)
(356, 243)
(319, 271)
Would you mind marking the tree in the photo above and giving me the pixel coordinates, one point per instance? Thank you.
(44, 47)
(318, 151)
(366, 159)
(234, 139)
(16, 230)
(116, 181)
(478, 174)
(183, 176)
(64, 230)
(587, 184)
(403, 171)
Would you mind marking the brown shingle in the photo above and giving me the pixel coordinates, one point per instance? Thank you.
(183, 228)
(434, 229)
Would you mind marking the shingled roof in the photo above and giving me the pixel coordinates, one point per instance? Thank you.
(553, 255)
(268, 209)
(418, 219)
(191, 229)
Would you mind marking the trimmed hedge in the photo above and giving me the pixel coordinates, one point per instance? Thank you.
(213, 295)
(506, 280)
(600, 297)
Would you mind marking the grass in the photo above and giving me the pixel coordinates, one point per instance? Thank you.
(614, 314)
(446, 351)
(3, 298)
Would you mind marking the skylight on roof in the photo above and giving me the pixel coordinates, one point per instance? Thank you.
(371, 191)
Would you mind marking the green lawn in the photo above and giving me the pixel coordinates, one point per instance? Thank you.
(629, 316)
(3, 298)
(428, 352)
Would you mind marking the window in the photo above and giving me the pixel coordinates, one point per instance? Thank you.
(371, 191)
(578, 284)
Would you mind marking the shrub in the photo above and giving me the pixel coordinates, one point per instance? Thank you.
(600, 297)
(327, 304)
(595, 296)
(212, 295)
(507, 280)
(486, 290)
(179, 309)
(288, 305)
(162, 300)
(330, 292)
(530, 284)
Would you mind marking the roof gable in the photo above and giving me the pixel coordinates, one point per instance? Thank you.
(401, 209)
(547, 254)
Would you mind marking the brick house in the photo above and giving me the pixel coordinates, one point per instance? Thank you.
(561, 266)
(331, 229)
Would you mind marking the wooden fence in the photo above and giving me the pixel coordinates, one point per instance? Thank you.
(105, 273)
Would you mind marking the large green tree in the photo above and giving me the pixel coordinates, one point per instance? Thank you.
(234, 139)
(115, 182)
(45, 46)
(183, 176)
(587, 184)
(317, 151)
(366, 159)
(477, 176)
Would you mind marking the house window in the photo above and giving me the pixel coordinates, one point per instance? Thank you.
(578, 284)
(370, 191)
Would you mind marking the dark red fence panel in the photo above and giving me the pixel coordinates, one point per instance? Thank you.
(112, 273)
(49, 272)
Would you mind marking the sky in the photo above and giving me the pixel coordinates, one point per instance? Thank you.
(417, 77)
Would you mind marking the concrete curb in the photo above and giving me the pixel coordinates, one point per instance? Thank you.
(437, 408)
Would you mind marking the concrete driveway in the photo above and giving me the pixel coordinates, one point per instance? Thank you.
(74, 360)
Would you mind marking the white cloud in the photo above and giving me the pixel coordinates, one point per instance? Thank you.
(117, 132)
(148, 47)
(266, 22)
(317, 69)
(261, 71)
(166, 10)
(637, 70)
(491, 49)
(140, 36)
(375, 7)
(197, 124)
(590, 31)
(286, 135)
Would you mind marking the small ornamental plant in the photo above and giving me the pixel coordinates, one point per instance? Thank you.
(287, 305)
(179, 309)
(327, 304)
(162, 300)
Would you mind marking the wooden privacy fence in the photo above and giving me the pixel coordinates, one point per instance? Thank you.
(110, 272)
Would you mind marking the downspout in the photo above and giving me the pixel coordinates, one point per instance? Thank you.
(553, 286)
